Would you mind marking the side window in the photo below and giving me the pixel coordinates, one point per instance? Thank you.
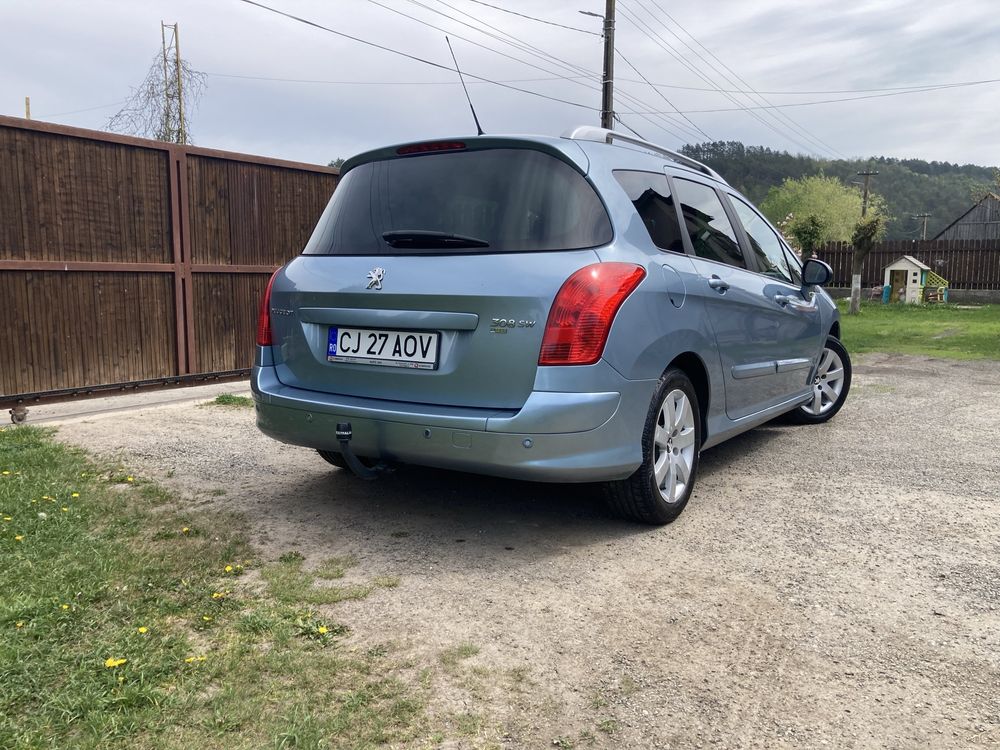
(794, 265)
(650, 194)
(712, 236)
(765, 243)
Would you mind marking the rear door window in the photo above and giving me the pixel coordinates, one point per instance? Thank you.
(488, 201)
(707, 224)
(650, 194)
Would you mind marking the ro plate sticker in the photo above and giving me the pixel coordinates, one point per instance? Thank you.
(331, 343)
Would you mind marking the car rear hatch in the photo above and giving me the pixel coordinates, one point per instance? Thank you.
(431, 273)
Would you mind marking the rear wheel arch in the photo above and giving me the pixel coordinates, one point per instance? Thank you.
(692, 366)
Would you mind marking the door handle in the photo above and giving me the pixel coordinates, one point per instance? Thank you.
(787, 300)
(717, 284)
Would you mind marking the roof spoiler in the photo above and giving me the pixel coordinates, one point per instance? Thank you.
(603, 135)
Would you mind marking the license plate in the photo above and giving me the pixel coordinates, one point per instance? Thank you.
(414, 349)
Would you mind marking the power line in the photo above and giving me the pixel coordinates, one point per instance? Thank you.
(532, 18)
(921, 87)
(78, 111)
(753, 96)
(819, 101)
(377, 83)
(544, 55)
(408, 56)
(463, 38)
(667, 47)
(628, 62)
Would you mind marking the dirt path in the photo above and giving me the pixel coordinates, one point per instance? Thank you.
(827, 586)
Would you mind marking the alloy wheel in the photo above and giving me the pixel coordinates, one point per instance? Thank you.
(674, 446)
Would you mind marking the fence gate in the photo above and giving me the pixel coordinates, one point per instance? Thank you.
(128, 263)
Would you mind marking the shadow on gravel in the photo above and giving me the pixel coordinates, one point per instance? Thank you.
(460, 519)
(719, 460)
(455, 520)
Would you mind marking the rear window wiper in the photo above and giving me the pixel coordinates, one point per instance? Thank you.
(421, 238)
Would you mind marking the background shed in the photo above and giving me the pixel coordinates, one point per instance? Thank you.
(981, 222)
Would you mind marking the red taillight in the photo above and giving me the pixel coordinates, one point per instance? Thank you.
(427, 148)
(583, 311)
(264, 317)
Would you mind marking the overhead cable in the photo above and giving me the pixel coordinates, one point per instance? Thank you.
(408, 56)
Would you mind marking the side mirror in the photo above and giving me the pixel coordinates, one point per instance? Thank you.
(816, 273)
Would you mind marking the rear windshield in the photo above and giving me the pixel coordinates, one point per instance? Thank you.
(488, 201)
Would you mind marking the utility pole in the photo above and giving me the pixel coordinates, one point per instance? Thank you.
(608, 89)
(27, 108)
(173, 128)
(181, 125)
(867, 174)
(923, 232)
(608, 84)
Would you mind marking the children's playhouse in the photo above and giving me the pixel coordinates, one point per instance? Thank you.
(909, 280)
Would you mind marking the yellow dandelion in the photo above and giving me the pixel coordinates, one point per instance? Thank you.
(129, 479)
(65, 606)
(75, 494)
(217, 595)
(5, 472)
(192, 659)
(33, 501)
(142, 630)
(228, 569)
(19, 538)
(322, 629)
(65, 509)
(111, 662)
(19, 624)
(185, 530)
(206, 618)
(7, 518)
(46, 497)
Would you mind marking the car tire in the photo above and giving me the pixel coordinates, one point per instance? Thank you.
(830, 385)
(337, 459)
(658, 490)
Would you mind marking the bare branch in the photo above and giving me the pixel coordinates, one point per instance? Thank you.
(152, 109)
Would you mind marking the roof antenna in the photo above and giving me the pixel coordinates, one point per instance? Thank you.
(478, 126)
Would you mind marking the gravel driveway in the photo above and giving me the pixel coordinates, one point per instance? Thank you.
(835, 585)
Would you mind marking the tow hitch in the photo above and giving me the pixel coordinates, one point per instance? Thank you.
(344, 435)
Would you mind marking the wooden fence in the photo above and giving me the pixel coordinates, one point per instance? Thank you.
(966, 264)
(126, 260)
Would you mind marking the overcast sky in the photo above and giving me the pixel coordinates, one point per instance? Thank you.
(70, 55)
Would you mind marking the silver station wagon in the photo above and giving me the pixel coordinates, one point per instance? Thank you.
(591, 308)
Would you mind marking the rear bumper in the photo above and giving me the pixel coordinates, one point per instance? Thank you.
(554, 437)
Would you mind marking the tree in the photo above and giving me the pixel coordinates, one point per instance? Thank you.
(981, 191)
(867, 232)
(808, 233)
(161, 106)
(338, 162)
(811, 206)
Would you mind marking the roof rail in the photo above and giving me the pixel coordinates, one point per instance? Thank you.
(603, 135)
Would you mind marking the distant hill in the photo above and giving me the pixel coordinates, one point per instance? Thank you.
(910, 186)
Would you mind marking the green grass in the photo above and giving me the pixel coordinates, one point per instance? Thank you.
(946, 331)
(226, 399)
(126, 622)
